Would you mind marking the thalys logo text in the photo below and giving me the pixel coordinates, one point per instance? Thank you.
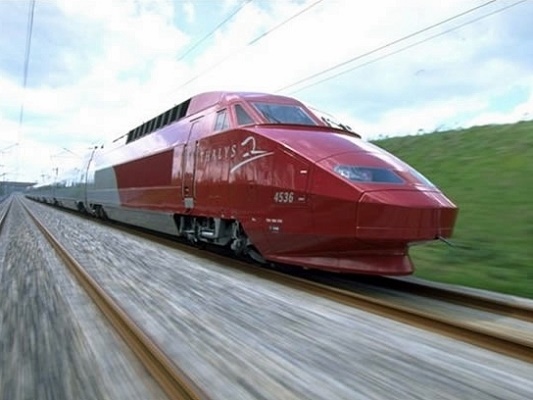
(246, 151)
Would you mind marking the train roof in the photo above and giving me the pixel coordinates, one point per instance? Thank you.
(205, 100)
(195, 105)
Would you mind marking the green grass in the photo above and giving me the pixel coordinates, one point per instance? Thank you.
(488, 172)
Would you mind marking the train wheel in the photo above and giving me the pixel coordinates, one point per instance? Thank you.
(241, 244)
(99, 212)
(255, 255)
(81, 207)
(239, 239)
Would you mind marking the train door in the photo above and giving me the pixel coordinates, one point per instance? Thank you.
(188, 188)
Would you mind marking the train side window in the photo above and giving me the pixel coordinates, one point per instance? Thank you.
(158, 121)
(222, 122)
(174, 114)
(242, 116)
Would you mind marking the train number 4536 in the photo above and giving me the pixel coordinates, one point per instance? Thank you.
(284, 197)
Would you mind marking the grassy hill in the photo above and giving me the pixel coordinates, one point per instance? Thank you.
(488, 172)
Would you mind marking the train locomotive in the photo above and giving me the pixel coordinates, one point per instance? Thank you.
(267, 177)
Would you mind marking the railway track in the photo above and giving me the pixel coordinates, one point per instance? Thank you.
(501, 325)
(498, 325)
(504, 307)
(4, 209)
(172, 380)
(483, 321)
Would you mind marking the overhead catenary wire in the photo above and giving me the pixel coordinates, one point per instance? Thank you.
(253, 41)
(27, 53)
(304, 10)
(29, 30)
(212, 32)
(404, 48)
(233, 53)
(382, 47)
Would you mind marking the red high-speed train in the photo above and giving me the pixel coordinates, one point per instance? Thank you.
(266, 176)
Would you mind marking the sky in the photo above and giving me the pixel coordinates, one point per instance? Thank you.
(95, 69)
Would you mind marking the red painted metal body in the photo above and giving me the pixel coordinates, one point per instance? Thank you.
(279, 182)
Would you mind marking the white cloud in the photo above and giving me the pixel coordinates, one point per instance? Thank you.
(188, 9)
(521, 112)
(126, 69)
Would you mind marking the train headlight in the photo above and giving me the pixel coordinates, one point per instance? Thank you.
(367, 174)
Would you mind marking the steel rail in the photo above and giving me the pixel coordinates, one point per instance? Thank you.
(467, 331)
(3, 216)
(172, 380)
(510, 308)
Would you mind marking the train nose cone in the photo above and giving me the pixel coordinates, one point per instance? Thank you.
(404, 215)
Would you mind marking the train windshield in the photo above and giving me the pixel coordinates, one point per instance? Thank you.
(284, 114)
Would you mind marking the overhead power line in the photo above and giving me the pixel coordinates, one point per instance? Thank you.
(257, 39)
(403, 48)
(29, 31)
(377, 49)
(227, 19)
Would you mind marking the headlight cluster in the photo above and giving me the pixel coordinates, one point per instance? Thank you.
(367, 174)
